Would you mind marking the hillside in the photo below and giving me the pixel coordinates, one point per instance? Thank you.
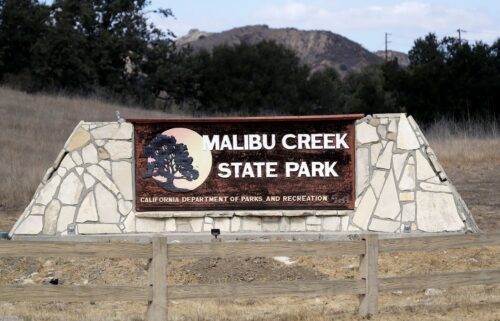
(316, 48)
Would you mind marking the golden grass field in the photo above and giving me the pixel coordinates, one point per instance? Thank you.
(33, 128)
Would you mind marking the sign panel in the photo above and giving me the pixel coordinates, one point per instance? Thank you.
(245, 163)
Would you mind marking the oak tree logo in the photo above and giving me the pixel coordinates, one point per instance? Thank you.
(169, 161)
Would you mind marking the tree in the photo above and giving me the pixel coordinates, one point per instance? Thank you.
(169, 160)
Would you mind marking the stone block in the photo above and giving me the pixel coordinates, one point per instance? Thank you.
(122, 176)
(313, 228)
(437, 212)
(406, 196)
(223, 223)
(313, 220)
(271, 224)
(377, 181)
(107, 205)
(406, 138)
(80, 138)
(235, 224)
(365, 209)
(435, 187)
(48, 190)
(89, 154)
(388, 206)
(408, 212)
(66, 216)
(384, 161)
(407, 181)
(384, 226)
(98, 229)
(196, 224)
(362, 169)
(124, 207)
(285, 224)
(70, 190)
(297, 224)
(50, 217)
(129, 223)
(366, 133)
(119, 149)
(149, 225)
(251, 224)
(33, 224)
(332, 223)
(183, 225)
(398, 162)
(375, 150)
(170, 225)
(87, 211)
(98, 173)
(424, 169)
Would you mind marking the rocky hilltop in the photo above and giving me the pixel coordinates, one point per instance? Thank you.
(402, 57)
(316, 48)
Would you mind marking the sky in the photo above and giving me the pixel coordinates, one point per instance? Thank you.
(363, 21)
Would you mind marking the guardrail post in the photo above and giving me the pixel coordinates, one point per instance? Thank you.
(157, 309)
(368, 269)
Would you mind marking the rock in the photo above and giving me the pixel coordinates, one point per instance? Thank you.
(366, 133)
(437, 212)
(37, 209)
(407, 181)
(235, 224)
(382, 131)
(408, 212)
(222, 223)
(392, 128)
(50, 217)
(406, 196)
(197, 224)
(345, 223)
(313, 228)
(398, 162)
(313, 220)
(285, 224)
(118, 149)
(88, 210)
(66, 216)
(124, 132)
(365, 209)
(106, 165)
(297, 224)
(89, 154)
(106, 131)
(33, 224)
(129, 223)
(122, 176)
(124, 206)
(270, 224)
(70, 190)
(107, 207)
(375, 150)
(384, 225)
(252, 224)
(102, 177)
(433, 292)
(384, 161)
(80, 138)
(388, 206)
(98, 229)
(76, 158)
(48, 190)
(332, 223)
(377, 181)
(406, 138)
(424, 169)
(150, 225)
(102, 153)
(88, 180)
(435, 187)
(362, 169)
(67, 162)
(183, 225)
(170, 225)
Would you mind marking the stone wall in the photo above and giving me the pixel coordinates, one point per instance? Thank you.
(399, 185)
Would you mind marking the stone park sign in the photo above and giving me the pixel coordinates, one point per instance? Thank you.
(245, 163)
(315, 174)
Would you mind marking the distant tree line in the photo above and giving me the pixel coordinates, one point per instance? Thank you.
(109, 48)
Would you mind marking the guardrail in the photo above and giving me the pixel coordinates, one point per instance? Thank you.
(157, 293)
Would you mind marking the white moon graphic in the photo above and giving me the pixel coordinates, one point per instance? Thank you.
(202, 159)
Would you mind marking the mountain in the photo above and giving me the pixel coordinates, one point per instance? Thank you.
(316, 48)
(402, 57)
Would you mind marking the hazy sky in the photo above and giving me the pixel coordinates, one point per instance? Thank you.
(364, 21)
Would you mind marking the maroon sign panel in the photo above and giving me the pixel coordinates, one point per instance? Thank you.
(245, 163)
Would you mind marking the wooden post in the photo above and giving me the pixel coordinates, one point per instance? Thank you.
(157, 309)
(368, 268)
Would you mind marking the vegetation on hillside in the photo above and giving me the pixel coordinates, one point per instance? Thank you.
(110, 48)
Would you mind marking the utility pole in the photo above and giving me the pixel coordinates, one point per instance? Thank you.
(460, 34)
(386, 42)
